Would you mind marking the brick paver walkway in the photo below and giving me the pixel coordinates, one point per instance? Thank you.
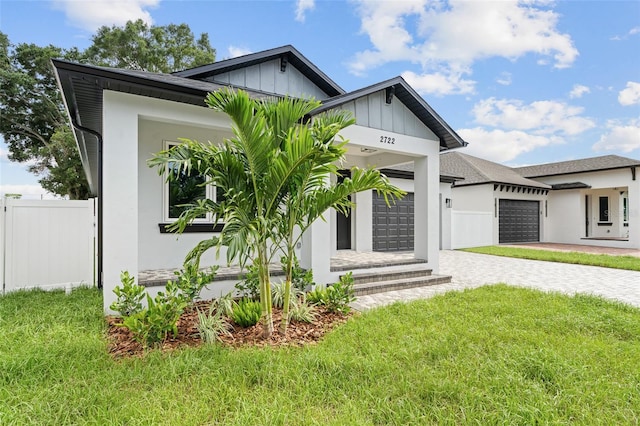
(470, 270)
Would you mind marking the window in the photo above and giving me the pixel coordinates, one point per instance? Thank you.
(604, 209)
(625, 207)
(186, 189)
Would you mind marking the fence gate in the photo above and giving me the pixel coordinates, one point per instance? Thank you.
(47, 243)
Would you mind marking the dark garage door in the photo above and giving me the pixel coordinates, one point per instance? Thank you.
(392, 226)
(519, 221)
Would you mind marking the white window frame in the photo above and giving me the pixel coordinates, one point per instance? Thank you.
(210, 193)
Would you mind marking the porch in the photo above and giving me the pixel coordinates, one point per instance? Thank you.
(344, 260)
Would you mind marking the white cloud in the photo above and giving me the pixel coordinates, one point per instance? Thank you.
(540, 117)
(623, 137)
(302, 6)
(578, 90)
(631, 32)
(27, 191)
(630, 95)
(235, 51)
(502, 146)
(439, 83)
(3, 155)
(454, 34)
(504, 79)
(91, 15)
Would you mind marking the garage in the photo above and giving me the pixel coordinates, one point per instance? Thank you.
(519, 221)
(393, 225)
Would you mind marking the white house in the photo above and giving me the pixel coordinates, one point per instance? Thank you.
(121, 117)
(592, 201)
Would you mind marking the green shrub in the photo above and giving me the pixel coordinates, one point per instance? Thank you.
(153, 324)
(191, 280)
(212, 325)
(250, 286)
(224, 304)
(301, 310)
(130, 296)
(318, 296)
(277, 295)
(246, 312)
(336, 297)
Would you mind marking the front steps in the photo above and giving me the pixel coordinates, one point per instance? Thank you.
(399, 278)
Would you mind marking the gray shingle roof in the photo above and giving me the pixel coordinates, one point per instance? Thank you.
(477, 171)
(606, 162)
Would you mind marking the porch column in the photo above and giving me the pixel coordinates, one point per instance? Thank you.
(427, 217)
(364, 221)
(316, 250)
(634, 210)
(119, 193)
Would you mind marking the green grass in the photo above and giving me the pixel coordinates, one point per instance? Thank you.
(630, 263)
(493, 355)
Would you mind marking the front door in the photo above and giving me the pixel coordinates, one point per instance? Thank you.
(343, 223)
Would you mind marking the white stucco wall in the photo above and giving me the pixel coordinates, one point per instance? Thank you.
(567, 215)
(161, 251)
(125, 176)
(445, 216)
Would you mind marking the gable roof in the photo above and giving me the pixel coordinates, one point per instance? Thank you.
(288, 54)
(82, 87)
(477, 171)
(594, 164)
(414, 102)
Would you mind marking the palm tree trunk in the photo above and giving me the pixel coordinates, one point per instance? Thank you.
(265, 295)
(287, 293)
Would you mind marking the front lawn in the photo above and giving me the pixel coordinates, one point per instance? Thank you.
(630, 263)
(493, 355)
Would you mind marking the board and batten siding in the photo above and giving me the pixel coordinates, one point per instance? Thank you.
(373, 111)
(268, 78)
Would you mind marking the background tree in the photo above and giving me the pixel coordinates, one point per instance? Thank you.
(32, 112)
(139, 46)
(33, 122)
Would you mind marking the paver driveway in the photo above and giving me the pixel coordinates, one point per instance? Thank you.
(470, 270)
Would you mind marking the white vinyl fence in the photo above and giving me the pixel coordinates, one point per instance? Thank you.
(47, 243)
(471, 229)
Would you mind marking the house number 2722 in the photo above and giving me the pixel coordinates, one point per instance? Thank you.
(387, 139)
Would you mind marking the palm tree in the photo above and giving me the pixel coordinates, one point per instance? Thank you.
(311, 156)
(273, 176)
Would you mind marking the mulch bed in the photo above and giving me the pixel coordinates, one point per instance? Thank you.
(122, 344)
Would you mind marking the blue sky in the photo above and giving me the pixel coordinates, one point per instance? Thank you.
(524, 82)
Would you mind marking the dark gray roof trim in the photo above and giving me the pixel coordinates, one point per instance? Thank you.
(449, 139)
(289, 52)
(594, 164)
(570, 185)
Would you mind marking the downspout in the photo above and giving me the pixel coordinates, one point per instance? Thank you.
(98, 136)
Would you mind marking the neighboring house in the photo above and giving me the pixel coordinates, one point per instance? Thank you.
(593, 201)
(122, 117)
